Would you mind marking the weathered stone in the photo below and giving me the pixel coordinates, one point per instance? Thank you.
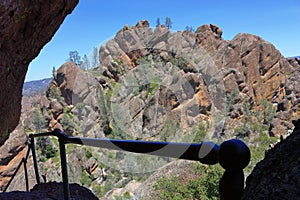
(129, 188)
(76, 86)
(65, 79)
(91, 165)
(56, 108)
(13, 145)
(263, 74)
(44, 102)
(247, 62)
(12, 152)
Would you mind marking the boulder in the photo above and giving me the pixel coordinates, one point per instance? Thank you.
(76, 86)
(12, 152)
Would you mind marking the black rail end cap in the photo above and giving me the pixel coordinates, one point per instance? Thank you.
(234, 155)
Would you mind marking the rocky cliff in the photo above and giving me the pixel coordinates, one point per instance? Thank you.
(277, 175)
(199, 73)
(25, 27)
(154, 84)
(289, 107)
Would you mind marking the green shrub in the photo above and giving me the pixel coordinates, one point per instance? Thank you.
(38, 120)
(258, 147)
(180, 62)
(205, 187)
(49, 151)
(98, 190)
(88, 154)
(68, 124)
(126, 195)
(232, 98)
(85, 179)
(169, 130)
(268, 111)
(44, 148)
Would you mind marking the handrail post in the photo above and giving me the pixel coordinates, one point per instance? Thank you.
(35, 165)
(26, 174)
(234, 156)
(64, 169)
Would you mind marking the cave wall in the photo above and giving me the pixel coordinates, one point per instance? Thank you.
(25, 27)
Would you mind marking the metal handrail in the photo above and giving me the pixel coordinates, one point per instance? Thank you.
(233, 156)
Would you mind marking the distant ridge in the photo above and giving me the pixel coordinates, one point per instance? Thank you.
(293, 57)
(31, 88)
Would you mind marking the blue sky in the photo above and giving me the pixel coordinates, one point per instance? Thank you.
(94, 21)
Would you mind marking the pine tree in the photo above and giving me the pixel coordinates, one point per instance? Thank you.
(37, 120)
(168, 22)
(53, 72)
(74, 57)
(190, 28)
(157, 22)
(86, 63)
(95, 58)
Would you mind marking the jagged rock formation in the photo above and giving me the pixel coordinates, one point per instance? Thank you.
(156, 85)
(288, 108)
(277, 176)
(199, 72)
(25, 27)
(51, 190)
(252, 67)
(195, 74)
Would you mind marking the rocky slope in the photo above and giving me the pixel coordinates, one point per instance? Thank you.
(153, 84)
(25, 27)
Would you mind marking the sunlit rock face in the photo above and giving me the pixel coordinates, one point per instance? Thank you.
(247, 64)
(25, 27)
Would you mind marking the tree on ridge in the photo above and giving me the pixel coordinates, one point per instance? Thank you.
(168, 22)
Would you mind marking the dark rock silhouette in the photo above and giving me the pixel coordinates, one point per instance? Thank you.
(277, 176)
(52, 190)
